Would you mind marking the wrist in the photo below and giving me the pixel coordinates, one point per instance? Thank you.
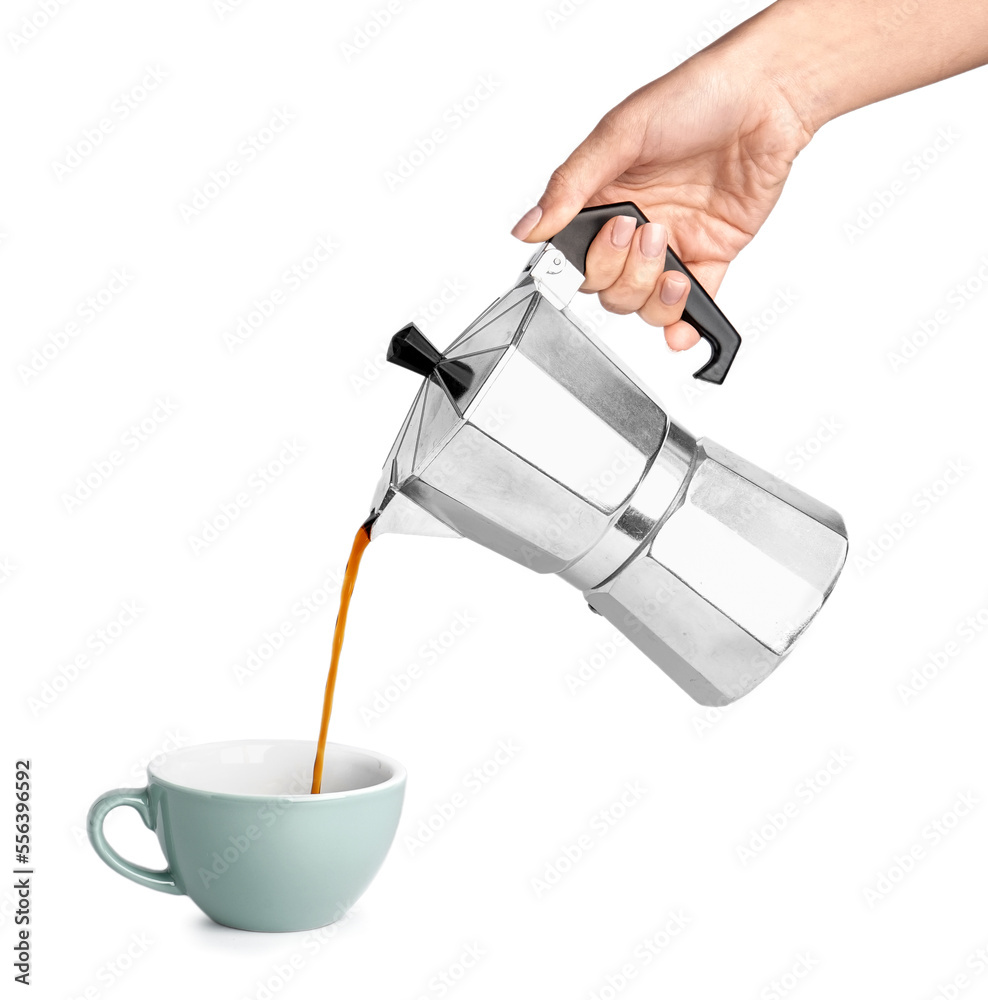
(784, 46)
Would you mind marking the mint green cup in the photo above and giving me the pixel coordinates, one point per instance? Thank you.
(247, 842)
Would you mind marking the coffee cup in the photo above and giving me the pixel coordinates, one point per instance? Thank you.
(247, 842)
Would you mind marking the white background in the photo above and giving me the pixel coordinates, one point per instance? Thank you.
(313, 374)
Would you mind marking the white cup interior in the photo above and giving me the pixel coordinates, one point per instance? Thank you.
(273, 767)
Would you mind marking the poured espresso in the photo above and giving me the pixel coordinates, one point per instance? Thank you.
(360, 542)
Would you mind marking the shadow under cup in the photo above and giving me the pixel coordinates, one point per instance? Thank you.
(245, 839)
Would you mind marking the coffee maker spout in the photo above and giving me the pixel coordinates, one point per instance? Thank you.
(394, 512)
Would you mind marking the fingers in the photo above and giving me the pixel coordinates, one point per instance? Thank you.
(668, 299)
(625, 267)
(632, 279)
(608, 252)
(681, 336)
(605, 154)
(631, 288)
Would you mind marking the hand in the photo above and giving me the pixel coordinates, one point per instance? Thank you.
(704, 151)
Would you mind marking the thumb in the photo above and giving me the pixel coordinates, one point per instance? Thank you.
(604, 155)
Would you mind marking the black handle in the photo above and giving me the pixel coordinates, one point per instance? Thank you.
(701, 311)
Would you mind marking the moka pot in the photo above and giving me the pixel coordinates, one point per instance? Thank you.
(530, 437)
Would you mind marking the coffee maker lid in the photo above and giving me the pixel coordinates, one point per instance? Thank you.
(453, 379)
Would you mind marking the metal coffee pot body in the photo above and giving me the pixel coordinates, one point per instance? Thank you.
(530, 437)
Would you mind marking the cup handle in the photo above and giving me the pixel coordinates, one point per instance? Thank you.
(136, 798)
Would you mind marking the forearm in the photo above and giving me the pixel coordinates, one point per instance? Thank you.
(832, 56)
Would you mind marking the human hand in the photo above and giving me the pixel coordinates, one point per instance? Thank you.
(704, 151)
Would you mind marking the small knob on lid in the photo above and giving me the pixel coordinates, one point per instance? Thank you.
(411, 349)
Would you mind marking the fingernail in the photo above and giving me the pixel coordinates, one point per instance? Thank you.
(653, 239)
(527, 223)
(673, 288)
(622, 231)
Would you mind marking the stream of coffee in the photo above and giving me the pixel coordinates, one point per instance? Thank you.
(360, 542)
